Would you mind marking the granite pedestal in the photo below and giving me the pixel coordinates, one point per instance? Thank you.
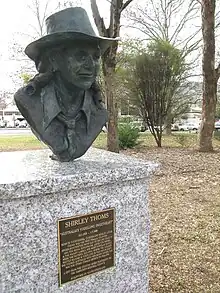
(35, 192)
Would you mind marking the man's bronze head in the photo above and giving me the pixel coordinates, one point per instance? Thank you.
(76, 64)
(70, 47)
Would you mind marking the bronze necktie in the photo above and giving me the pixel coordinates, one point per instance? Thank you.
(71, 133)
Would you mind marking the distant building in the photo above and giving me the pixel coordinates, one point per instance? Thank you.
(10, 113)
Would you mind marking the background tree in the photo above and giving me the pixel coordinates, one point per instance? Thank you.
(69, 3)
(42, 9)
(3, 100)
(217, 112)
(155, 78)
(26, 77)
(210, 75)
(109, 60)
(128, 50)
(173, 22)
(169, 21)
(184, 93)
(40, 12)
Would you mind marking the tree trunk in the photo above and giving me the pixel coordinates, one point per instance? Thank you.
(168, 123)
(167, 129)
(157, 133)
(112, 135)
(209, 78)
(109, 64)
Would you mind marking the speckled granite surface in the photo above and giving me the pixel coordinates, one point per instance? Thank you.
(35, 192)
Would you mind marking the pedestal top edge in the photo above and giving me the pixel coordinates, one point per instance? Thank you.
(33, 172)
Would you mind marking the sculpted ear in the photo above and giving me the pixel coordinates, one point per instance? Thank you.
(54, 63)
(44, 64)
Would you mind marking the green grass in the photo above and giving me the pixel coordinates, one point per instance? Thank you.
(19, 142)
(30, 142)
(146, 140)
(101, 141)
(176, 140)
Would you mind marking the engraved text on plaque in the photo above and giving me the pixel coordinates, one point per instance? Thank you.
(86, 245)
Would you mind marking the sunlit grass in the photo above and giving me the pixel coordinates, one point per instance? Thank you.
(30, 142)
(101, 141)
(146, 140)
(19, 142)
(176, 140)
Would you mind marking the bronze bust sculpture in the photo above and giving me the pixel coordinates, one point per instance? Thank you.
(62, 103)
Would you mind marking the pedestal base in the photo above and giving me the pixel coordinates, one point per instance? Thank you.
(35, 192)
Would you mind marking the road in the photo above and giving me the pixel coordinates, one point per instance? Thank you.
(15, 131)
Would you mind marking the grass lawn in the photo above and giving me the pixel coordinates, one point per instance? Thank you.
(184, 202)
(19, 142)
(177, 140)
(30, 142)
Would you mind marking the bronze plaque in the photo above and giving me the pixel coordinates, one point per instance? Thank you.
(86, 245)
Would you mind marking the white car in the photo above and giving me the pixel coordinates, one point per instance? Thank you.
(183, 127)
(23, 124)
(2, 124)
(217, 125)
(10, 124)
(192, 126)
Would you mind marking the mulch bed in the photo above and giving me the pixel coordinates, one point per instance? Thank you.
(184, 202)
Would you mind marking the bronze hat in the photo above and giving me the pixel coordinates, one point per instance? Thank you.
(66, 26)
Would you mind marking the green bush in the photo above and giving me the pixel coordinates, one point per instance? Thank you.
(127, 135)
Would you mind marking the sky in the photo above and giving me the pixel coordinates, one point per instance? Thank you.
(17, 23)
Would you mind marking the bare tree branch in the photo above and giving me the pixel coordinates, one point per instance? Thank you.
(217, 19)
(186, 17)
(125, 5)
(217, 72)
(99, 21)
(154, 20)
(40, 15)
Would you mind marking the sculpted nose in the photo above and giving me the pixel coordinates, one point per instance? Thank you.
(89, 62)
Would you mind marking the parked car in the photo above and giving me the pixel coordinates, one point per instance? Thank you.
(183, 127)
(17, 122)
(174, 127)
(23, 124)
(10, 124)
(136, 124)
(139, 125)
(104, 129)
(192, 126)
(2, 124)
(217, 125)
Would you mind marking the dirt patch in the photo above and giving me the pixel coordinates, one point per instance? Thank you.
(185, 221)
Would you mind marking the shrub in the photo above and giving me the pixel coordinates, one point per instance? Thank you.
(127, 135)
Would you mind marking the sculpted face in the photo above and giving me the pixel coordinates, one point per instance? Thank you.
(78, 65)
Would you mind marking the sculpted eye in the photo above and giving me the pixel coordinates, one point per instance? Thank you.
(64, 50)
(81, 56)
(97, 55)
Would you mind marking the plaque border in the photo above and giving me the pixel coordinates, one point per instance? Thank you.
(59, 252)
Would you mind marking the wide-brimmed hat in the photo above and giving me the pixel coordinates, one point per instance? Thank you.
(67, 26)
